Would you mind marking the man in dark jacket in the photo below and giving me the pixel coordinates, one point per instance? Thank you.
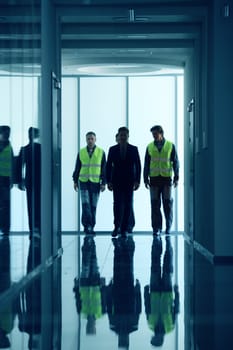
(29, 169)
(123, 173)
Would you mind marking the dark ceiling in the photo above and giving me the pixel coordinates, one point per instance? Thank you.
(115, 35)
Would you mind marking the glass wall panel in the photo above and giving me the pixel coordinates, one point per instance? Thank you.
(70, 141)
(180, 148)
(151, 102)
(20, 109)
(19, 115)
(102, 110)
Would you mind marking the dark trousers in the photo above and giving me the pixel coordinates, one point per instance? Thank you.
(161, 281)
(164, 192)
(34, 209)
(33, 291)
(90, 271)
(5, 204)
(89, 199)
(123, 208)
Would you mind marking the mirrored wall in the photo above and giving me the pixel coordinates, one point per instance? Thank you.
(20, 61)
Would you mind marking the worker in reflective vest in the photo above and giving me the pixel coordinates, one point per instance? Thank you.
(161, 161)
(6, 162)
(161, 298)
(89, 287)
(89, 177)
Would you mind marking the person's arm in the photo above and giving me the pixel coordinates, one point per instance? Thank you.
(103, 173)
(176, 305)
(12, 178)
(175, 165)
(146, 169)
(109, 169)
(138, 297)
(76, 172)
(138, 170)
(19, 169)
(147, 300)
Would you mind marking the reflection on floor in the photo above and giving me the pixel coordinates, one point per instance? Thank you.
(135, 292)
(114, 298)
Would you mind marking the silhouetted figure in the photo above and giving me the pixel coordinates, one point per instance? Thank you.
(123, 293)
(161, 304)
(131, 221)
(29, 304)
(29, 169)
(123, 173)
(161, 161)
(89, 288)
(6, 313)
(89, 178)
(6, 167)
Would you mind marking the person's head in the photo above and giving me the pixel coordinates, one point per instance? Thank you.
(123, 135)
(90, 139)
(157, 132)
(91, 325)
(33, 133)
(5, 131)
(157, 339)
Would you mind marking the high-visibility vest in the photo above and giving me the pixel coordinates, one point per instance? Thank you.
(161, 306)
(91, 166)
(6, 161)
(160, 163)
(91, 301)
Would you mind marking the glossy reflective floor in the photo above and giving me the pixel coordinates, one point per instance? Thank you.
(122, 267)
(137, 292)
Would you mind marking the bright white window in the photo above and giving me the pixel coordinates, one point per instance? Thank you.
(102, 105)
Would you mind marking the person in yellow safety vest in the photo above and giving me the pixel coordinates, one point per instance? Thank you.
(89, 177)
(161, 300)
(161, 161)
(6, 173)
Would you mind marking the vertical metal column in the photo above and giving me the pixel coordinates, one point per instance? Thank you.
(51, 284)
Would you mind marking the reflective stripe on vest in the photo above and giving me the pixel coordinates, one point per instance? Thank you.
(160, 163)
(91, 166)
(161, 306)
(5, 161)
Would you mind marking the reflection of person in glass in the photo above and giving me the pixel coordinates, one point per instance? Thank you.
(6, 162)
(123, 293)
(29, 307)
(29, 169)
(6, 313)
(161, 304)
(89, 289)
